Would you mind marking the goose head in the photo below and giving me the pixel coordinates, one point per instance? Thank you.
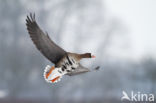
(87, 55)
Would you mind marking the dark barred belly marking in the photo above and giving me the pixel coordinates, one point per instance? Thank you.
(69, 64)
(68, 70)
(64, 67)
(73, 68)
(69, 60)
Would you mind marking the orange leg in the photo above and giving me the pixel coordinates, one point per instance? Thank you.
(55, 79)
(50, 71)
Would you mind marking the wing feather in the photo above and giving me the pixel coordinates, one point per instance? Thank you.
(42, 41)
(79, 70)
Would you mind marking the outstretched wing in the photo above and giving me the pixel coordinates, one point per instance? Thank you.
(79, 70)
(43, 42)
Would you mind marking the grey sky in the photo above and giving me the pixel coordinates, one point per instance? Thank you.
(139, 16)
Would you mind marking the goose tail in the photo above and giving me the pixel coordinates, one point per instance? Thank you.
(51, 74)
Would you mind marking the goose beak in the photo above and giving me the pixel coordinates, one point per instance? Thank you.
(92, 56)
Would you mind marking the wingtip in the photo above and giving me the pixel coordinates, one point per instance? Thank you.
(30, 17)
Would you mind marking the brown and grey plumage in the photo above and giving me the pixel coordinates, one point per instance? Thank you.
(52, 51)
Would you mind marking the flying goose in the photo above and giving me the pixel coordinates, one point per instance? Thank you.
(66, 63)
